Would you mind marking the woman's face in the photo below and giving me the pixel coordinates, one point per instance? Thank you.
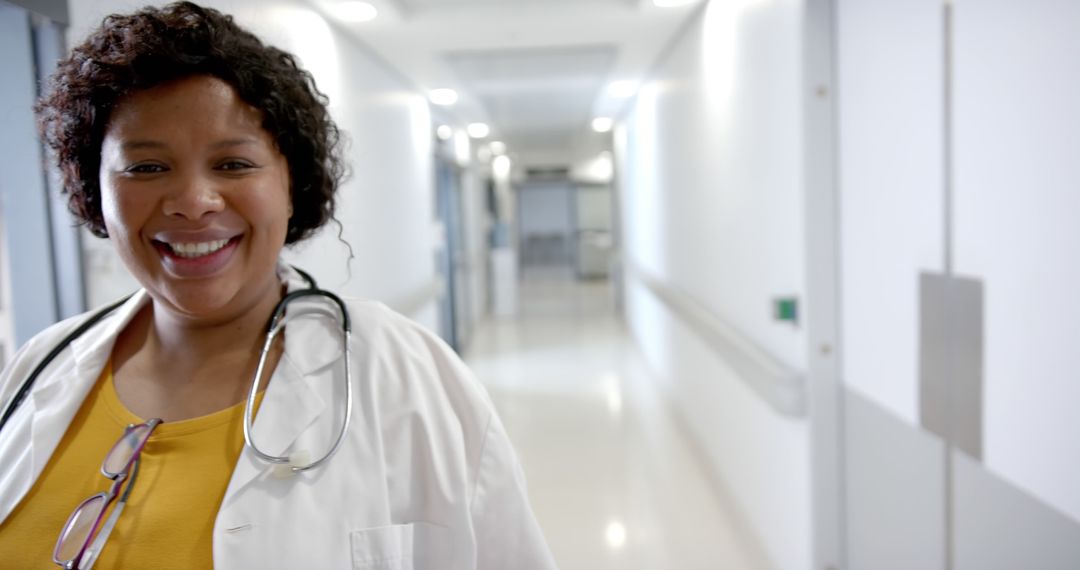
(195, 197)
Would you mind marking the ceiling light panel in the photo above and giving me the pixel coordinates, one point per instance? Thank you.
(479, 130)
(622, 89)
(533, 63)
(443, 96)
(418, 5)
(536, 89)
(355, 11)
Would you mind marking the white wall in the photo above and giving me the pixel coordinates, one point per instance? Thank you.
(710, 167)
(386, 206)
(1017, 130)
(1017, 201)
(891, 179)
(1006, 217)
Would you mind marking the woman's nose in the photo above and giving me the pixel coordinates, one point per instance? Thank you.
(193, 198)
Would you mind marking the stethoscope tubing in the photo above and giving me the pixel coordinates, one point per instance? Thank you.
(275, 325)
(24, 390)
(274, 328)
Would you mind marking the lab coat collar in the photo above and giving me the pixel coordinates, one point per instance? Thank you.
(53, 401)
(89, 353)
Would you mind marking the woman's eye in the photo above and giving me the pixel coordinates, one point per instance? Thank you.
(234, 165)
(145, 169)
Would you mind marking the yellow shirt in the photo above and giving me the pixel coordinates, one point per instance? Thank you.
(169, 518)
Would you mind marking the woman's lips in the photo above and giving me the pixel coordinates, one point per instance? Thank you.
(190, 262)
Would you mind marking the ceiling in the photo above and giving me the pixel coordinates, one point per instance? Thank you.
(536, 71)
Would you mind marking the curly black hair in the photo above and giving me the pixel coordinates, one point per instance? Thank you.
(133, 52)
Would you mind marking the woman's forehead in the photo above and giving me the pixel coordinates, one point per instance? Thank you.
(192, 105)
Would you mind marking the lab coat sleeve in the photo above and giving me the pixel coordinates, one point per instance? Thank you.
(507, 534)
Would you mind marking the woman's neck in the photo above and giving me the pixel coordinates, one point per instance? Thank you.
(173, 366)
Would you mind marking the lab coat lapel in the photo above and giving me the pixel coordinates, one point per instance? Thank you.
(294, 399)
(54, 400)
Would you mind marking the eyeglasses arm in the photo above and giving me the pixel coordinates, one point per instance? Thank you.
(91, 555)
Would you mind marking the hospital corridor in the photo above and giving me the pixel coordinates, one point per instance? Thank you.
(613, 479)
(618, 284)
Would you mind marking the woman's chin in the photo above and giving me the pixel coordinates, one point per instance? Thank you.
(194, 306)
(218, 300)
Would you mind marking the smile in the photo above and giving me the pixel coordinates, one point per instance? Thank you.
(193, 250)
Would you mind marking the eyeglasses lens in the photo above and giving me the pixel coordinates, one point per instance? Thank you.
(124, 451)
(74, 535)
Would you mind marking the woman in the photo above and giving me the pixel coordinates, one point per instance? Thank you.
(200, 152)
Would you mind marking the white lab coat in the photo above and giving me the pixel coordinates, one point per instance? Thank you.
(425, 479)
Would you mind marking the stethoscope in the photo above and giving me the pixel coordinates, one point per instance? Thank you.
(274, 327)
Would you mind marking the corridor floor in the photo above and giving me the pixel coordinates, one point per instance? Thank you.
(613, 481)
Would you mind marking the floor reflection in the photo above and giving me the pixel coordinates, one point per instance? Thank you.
(613, 482)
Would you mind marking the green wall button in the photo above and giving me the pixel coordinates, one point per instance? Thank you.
(786, 309)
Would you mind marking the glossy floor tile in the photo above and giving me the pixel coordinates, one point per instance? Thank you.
(612, 480)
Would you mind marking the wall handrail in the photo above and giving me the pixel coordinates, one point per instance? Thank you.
(782, 387)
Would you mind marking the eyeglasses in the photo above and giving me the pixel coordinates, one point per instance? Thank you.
(83, 535)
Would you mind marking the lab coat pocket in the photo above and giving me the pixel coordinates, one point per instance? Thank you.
(383, 548)
(412, 546)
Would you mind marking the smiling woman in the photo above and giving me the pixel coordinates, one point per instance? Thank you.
(200, 153)
(195, 195)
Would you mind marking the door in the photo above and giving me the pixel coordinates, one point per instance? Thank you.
(454, 308)
(958, 134)
(43, 255)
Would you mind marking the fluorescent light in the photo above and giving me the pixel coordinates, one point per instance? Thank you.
(615, 535)
(497, 147)
(622, 89)
(672, 3)
(444, 132)
(602, 124)
(356, 11)
(479, 130)
(443, 96)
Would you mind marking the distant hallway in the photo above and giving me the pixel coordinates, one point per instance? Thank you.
(613, 481)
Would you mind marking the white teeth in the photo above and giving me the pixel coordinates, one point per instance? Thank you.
(200, 249)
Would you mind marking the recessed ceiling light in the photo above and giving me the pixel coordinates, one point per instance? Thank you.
(444, 132)
(356, 11)
(602, 124)
(672, 3)
(622, 89)
(479, 130)
(497, 147)
(443, 96)
(616, 535)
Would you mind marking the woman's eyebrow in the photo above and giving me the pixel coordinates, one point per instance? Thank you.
(234, 142)
(141, 144)
(152, 144)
